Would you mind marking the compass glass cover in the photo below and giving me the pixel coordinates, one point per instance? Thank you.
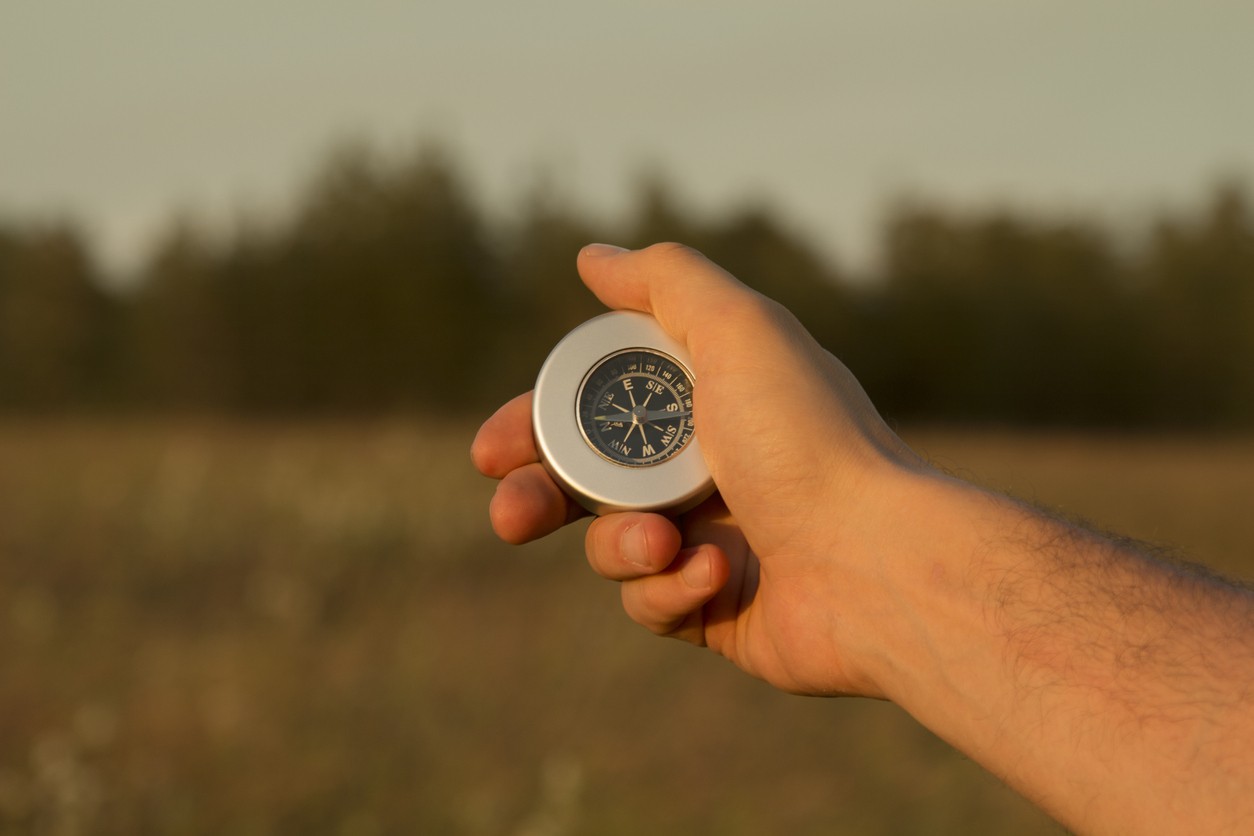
(635, 407)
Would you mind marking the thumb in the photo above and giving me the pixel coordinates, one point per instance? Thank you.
(684, 291)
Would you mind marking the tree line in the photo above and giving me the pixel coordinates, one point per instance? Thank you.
(386, 287)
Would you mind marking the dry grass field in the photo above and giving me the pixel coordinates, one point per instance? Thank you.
(253, 628)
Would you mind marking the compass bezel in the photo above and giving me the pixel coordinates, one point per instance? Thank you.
(675, 484)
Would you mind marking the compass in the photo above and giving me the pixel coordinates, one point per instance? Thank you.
(613, 417)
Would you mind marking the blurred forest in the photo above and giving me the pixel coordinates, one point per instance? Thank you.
(386, 288)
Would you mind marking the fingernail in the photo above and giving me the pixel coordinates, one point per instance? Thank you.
(596, 250)
(634, 544)
(696, 571)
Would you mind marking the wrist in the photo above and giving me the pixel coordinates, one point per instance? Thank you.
(955, 576)
(886, 558)
(926, 582)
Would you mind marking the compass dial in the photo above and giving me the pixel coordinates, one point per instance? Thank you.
(635, 407)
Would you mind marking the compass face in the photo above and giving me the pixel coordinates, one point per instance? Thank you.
(635, 407)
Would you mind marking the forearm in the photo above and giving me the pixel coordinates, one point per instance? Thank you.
(1113, 689)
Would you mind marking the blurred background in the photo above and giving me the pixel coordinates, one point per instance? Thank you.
(264, 268)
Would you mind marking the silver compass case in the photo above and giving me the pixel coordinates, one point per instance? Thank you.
(673, 485)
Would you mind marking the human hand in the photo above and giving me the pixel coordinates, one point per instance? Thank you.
(775, 571)
(834, 561)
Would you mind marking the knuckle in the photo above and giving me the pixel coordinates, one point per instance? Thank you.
(596, 542)
(763, 312)
(673, 255)
(656, 604)
(603, 544)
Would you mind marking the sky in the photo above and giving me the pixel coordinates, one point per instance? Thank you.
(118, 113)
